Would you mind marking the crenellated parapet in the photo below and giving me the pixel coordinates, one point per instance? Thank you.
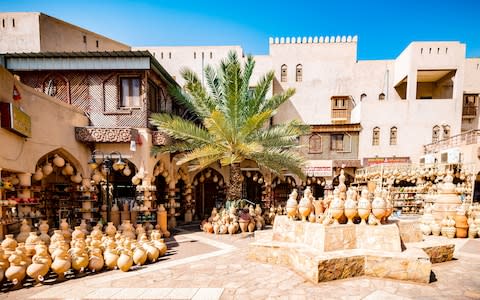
(314, 40)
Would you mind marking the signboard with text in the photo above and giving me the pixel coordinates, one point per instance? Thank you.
(371, 161)
(319, 168)
(15, 120)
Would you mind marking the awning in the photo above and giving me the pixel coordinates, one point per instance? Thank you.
(319, 168)
(347, 163)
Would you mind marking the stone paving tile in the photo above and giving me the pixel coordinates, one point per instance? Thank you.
(155, 293)
(102, 293)
(208, 294)
(182, 293)
(129, 293)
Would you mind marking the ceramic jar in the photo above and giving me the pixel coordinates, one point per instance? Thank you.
(9, 244)
(378, 206)
(65, 228)
(16, 271)
(364, 206)
(61, 263)
(139, 255)
(125, 261)
(337, 207)
(96, 261)
(40, 264)
(110, 230)
(127, 229)
(24, 232)
(461, 224)
(305, 205)
(291, 205)
(350, 208)
(78, 233)
(31, 242)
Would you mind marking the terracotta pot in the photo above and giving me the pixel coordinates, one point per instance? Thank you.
(139, 256)
(153, 250)
(9, 244)
(125, 261)
(61, 264)
(96, 261)
(111, 259)
(243, 225)
(30, 243)
(111, 229)
(78, 233)
(16, 272)
(251, 226)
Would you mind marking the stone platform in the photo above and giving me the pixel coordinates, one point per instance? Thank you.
(323, 253)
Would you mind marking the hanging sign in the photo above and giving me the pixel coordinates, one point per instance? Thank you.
(15, 120)
(319, 168)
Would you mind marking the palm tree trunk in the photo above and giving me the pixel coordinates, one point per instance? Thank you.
(234, 189)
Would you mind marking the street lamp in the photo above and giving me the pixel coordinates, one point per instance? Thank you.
(108, 164)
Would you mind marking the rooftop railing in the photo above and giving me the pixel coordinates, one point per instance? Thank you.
(466, 138)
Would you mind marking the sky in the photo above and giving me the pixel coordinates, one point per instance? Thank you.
(384, 27)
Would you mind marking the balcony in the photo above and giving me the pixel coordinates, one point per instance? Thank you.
(341, 116)
(469, 111)
(466, 138)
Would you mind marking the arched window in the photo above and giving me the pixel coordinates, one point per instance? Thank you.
(211, 55)
(161, 55)
(283, 73)
(363, 97)
(381, 96)
(393, 135)
(376, 136)
(446, 131)
(315, 144)
(194, 55)
(299, 73)
(435, 134)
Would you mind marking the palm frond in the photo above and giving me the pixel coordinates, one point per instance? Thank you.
(181, 129)
(201, 153)
(213, 83)
(219, 127)
(277, 161)
(254, 123)
(274, 102)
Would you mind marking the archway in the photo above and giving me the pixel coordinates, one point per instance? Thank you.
(209, 191)
(317, 185)
(476, 188)
(282, 189)
(252, 186)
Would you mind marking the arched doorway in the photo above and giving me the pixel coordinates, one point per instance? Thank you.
(282, 189)
(317, 185)
(476, 189)
(123, 191)
(209, 191)
(252, 186)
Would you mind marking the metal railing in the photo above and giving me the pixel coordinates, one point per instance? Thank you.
(466, 138)
(469, 111)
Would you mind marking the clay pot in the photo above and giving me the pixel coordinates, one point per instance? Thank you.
(40, 265)
(461, 225)
(61, 264)
(291, 207)
(436, 228)
(111, 258)
(153, 252)
(350, 209)
(125, 261)
(78, 233)
(336, 207)
(208, 227)
(378, 206)
(111, 229)
(4, 263)
(9, 244)
(251, 226)
(472, 231)
(16, 271)
(243, 225)
(24, 232)
(139, 256)
(30, 243)
(96, 261)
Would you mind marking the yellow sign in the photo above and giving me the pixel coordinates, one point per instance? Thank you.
(14, 119)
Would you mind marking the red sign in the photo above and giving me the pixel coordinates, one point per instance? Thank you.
(370, 161)
(16, 94)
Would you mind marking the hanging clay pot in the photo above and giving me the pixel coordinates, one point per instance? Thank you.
(58, 161)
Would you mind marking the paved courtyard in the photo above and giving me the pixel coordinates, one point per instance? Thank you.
(206, 266)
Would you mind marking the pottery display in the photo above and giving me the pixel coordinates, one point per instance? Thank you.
(110, 230)
(125, 261)
(305, 205)
(291, 206)
(30, 243)
(9, 244)
(446, 201)
(96, 261)
(337, 206)
(364, 206)
(24, 232)
(17, 270)
(43, 227)
(378, 206)
(41, 262)
(61, 263)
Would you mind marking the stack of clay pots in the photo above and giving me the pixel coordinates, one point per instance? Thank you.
(234, 220)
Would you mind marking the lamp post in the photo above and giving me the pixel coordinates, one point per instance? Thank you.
(108, 164)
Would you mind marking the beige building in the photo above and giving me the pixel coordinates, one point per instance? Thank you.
(37, 32)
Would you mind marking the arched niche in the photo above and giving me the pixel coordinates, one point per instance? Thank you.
(209, 191)
(282, 187)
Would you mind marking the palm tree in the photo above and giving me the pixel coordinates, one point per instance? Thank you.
(230, 124)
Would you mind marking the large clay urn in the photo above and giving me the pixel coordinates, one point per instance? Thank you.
(111, 255)
(65, 228)
(127, 229)
(461, 223)
(4, 264)
(96, 261)
(78, 233)
(291, 206)
(125, 261)
(153, 252)
(16, 271)
(61, 264)
(305, 205)
(111, 229)
(378, 206)
(44, 232)
(9, 244)
(139, 255)
(31, 242)
(336, 206)
(446, 201)
(350, 208)
(79, 256)
(41, 262)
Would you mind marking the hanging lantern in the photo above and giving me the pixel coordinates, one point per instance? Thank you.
(58, 161)
(127, 171)
(202, 178)
(165, 173)
(220, 183)
(260, 180)
(319, 181)
(136, 180)
(255, 177)
(68, 169)
(215, 178)
(76, 178)
(47, 169)
(195, 182)
(208, 174)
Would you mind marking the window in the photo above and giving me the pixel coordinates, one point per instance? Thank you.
(3, 23)
(161, 55)
(169, 54)
(13, 22)
(393, 136)
(435, 134)
(381, 96)
(50, 88)
(85, 39)
(299, 73)
(336, 142)
(283, 73)
(315, 144)
(339, 103)
(194, 55)
(211, 55)
(363, 97)
(446, 131)
(96, 42)
(376, 136)
(130, 92)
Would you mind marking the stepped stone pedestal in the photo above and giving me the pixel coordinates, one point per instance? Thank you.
(323, 253)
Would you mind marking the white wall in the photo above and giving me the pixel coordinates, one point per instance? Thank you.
(24, 37)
